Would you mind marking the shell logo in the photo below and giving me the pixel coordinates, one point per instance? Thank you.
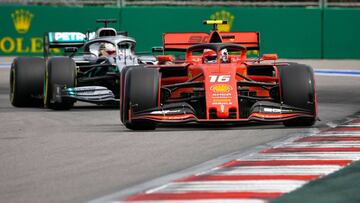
(221, 88)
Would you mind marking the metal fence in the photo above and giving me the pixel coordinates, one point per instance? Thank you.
(242, 3)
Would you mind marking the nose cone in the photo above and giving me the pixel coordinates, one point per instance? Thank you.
(221, 92)
(222, 113)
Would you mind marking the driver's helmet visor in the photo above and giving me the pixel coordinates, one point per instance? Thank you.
(108, 48)
(111, 52)
(211, 59)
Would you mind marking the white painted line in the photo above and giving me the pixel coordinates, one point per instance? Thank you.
(308, 155)
(351, 125)
(337, 144)
(340, 133)
(234, 186)
(5, 65)
(337, 72)
(278, 170)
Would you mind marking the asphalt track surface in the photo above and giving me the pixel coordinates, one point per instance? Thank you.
(85, 153)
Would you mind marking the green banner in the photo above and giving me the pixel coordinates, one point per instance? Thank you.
(23, 28)
(290, 32)
(342, 33)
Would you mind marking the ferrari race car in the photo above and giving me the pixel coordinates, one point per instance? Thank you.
(216, 83)
(89, 71)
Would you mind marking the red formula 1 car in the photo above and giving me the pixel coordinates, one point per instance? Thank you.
(216, 83)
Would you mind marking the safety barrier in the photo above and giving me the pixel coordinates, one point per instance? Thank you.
(290, 32)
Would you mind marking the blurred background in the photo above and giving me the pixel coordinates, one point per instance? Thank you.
(317, 29)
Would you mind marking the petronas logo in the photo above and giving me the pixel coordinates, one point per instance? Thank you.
(22, 20)
(223, 15)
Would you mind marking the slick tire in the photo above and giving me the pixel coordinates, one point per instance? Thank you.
(141, 91)
(26, 81)
(298, 90)
(60, 71)
(122, 83)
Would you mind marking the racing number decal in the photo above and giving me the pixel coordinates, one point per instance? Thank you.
(219, 78)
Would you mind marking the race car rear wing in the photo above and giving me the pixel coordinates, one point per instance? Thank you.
(64, 39)
(250, 40)
(181, 41)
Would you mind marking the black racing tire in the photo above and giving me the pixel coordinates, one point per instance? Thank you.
(26, 81)
(298, 90)
(122, 81)
(141, 92)
(59, 71)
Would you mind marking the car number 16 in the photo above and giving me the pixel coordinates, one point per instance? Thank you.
(219, 78)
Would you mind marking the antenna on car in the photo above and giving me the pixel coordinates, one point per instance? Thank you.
(215, 23)
(106, 21)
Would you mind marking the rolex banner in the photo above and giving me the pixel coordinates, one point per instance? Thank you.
(23, 27)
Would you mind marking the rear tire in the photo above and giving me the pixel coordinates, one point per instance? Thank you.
(298, 90)
(59, 71)
(26, 81)
(141, 91)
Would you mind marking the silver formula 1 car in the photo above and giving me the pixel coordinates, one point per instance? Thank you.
(88, 72)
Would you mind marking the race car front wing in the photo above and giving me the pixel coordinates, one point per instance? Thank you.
(92, 94)
(262, 111)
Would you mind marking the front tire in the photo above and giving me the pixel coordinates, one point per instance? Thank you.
(141, 92)
(60, 72)
(122, 90)
(26, 81)
(298, 90)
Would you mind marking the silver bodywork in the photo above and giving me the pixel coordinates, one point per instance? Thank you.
(124, 47)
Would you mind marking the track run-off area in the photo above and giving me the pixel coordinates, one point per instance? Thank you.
(86, 155)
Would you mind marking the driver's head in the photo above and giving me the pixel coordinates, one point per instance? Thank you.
(107, 49)
(224, 56)
(209, 56)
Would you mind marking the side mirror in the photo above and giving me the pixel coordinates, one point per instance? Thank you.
(269, 57)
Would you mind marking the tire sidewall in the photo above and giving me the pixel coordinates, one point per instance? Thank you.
(59, 71)
(26, 81)
(141, 89)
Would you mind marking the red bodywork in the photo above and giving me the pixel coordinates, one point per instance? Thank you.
(236, 91)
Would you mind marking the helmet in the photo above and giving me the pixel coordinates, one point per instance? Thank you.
(224, 56)
(209, 56)
(107, 49)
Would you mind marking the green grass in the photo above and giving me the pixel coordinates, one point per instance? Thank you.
(340, 187)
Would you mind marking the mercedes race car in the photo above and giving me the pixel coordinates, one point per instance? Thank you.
(89, 71)
(216, 83)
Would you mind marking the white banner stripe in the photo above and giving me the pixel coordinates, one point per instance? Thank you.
(279, 170)
(234, 186)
